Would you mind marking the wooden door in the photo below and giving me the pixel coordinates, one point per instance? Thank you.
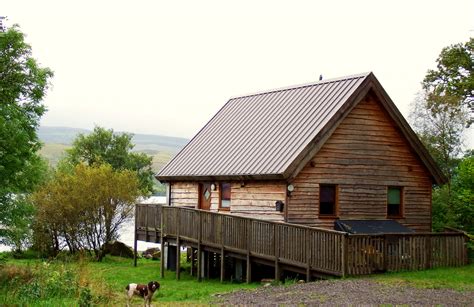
(205, 196)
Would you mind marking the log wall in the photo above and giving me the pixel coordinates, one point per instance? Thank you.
(184, 194)
(257, 200)
(365, 154)
(253, 199)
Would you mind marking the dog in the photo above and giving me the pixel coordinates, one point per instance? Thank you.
(145, 291)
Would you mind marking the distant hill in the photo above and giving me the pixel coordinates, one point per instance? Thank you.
(65, 136)
(57, 139)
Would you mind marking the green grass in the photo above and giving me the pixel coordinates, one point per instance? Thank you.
(107, 281)
(460, 278)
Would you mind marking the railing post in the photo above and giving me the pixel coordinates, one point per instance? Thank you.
(385, 253)
(249, 244)
(146, 222)
(429, 252)
(308, 254)
(162, 239)
(276, 237)
(178, 247)
(135, 237)
(199, 257)
(221, 224)
(344, 255)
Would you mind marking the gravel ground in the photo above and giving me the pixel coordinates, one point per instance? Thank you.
(346, 292)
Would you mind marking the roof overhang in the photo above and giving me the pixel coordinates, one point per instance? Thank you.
(266, 177)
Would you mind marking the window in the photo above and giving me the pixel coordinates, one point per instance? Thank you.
(394, 201)
(225, 196)
(327, 200)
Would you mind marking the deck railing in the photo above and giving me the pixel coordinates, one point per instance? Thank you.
(313, 249)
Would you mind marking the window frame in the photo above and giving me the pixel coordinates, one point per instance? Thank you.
(336, 201)
(402, 203)
(220, 196)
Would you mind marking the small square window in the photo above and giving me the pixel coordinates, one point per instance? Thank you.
(394, 202)
(225, 195)
(327, 200)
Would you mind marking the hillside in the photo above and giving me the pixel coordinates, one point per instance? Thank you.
(57, 139)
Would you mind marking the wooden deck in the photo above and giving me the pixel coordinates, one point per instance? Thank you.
(307, 250)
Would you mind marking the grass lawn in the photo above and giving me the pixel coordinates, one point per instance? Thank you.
(460, 278)
(107, 281)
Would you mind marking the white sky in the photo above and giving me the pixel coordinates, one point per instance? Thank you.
(165, 67)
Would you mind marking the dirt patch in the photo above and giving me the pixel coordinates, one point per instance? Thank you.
(347, 292)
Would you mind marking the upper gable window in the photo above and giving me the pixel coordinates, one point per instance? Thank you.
(394, 202)
(327, 200)
(225, 196)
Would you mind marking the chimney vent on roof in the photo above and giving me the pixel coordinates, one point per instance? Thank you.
(320, 77)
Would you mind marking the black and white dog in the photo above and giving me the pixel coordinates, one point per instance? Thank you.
(145, 291)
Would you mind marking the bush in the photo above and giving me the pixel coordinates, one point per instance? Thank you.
(42, 282)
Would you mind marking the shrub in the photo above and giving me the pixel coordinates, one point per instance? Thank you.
(42, 282)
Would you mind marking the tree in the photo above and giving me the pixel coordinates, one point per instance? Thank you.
(85, 208)
(105, 146)
(463, 190)
(441, 131)
(453, 77)
(23, 85)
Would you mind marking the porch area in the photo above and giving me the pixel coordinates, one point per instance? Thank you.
(314, 252)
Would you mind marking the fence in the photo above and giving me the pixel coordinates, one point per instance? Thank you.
(315, 250)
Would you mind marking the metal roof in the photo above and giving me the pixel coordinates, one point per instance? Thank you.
(261, 134)
(272, 134)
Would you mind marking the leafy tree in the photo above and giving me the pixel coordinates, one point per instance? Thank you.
(463, 190)
(453, 77)
(84, 208)
(23, 85)
(440, 130)
(105, 146)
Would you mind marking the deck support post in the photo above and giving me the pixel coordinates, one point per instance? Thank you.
(192, 261)
(162, 242)
(135, 239)
(222, 265)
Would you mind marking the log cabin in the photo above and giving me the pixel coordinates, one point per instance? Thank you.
(313, 154)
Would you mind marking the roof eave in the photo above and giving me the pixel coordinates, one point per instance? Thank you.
(256, 177)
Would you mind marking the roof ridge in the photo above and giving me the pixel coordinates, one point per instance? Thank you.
(297, 86)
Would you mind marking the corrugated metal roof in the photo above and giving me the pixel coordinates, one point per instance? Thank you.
(260, 135)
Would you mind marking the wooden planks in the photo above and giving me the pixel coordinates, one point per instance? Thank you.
(363, 156)
(311, 249)
(184, 194)
(257, 199)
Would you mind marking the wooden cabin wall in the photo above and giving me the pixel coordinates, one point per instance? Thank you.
(257, 199)
(253, 199)
(184, 194)
(365, 154)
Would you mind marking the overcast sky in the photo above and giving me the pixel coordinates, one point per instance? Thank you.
(165, 67)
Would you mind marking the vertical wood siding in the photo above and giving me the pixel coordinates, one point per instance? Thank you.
(365, 154)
